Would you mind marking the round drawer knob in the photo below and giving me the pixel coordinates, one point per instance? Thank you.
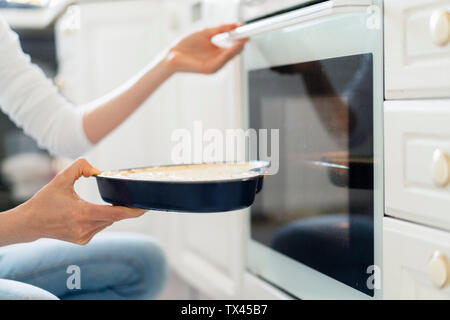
(440, 169)
(438, 268)
(440, 27)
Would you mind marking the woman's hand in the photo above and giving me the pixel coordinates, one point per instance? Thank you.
(58, 212)
(196, 52)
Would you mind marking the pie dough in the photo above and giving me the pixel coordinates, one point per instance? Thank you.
(196, 172)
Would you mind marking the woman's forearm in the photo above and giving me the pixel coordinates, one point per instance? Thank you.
(34, 103)
(104, 115)
(14, 227)
(194, 53)
(57, 212)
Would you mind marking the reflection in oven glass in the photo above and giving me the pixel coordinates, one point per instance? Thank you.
(318, 209)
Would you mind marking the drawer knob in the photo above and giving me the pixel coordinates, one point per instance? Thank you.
(440, 27)
(440, 169)
(438, 268)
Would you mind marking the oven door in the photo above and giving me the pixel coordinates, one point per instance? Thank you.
(316, 227)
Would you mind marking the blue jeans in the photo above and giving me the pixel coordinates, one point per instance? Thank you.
(111, 266)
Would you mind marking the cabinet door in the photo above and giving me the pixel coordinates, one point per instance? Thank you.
(417, 165)
(417, 48)
(209, 248)
(99, 52)
(415, 261)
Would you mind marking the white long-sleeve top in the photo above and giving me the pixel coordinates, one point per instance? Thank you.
(33, 102)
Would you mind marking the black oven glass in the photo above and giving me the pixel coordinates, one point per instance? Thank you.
(318, 208)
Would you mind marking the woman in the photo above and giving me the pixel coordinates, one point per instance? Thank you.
(111, 266)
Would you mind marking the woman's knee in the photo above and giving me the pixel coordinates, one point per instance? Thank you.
(149, 261)
(154, 256)
(154, 264)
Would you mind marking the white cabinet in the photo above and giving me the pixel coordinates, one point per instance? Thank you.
(209, 251)
(97, 52)
(417, 48)
(417, 166)
(416, 261)
(416, 241)
(101, 45)
(210, 248)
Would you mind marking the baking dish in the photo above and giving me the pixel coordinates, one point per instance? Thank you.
(196, 196)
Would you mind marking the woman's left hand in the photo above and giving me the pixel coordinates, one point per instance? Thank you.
(196, 52)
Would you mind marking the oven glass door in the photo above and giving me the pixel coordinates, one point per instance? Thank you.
(315, 228)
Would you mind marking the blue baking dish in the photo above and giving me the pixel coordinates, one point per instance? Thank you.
(183, 196)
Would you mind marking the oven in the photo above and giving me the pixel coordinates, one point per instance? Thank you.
(314, 71)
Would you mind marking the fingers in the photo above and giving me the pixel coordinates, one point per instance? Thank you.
(95, 218)
(113, 213)
(233, 51)
(211, 32)
(80, 168)
(236, 48)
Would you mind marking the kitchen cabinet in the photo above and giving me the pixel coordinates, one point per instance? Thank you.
(417, 48)
(417, 167)
(417, 142)
(97, 52)
(210, 248)
(416, 264)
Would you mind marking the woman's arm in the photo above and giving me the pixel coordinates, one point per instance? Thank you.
(103, 116)
(34, 103)
(57, 212)
(13, 228)
(194, 53)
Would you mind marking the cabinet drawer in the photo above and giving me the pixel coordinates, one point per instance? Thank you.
(417, 166)
(417, 48)
(415, 261)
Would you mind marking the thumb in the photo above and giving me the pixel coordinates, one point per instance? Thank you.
(230, 53)
(80, 168)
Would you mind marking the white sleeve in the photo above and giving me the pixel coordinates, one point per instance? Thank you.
(33, 102)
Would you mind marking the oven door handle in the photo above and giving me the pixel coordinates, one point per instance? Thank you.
(327, 8)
